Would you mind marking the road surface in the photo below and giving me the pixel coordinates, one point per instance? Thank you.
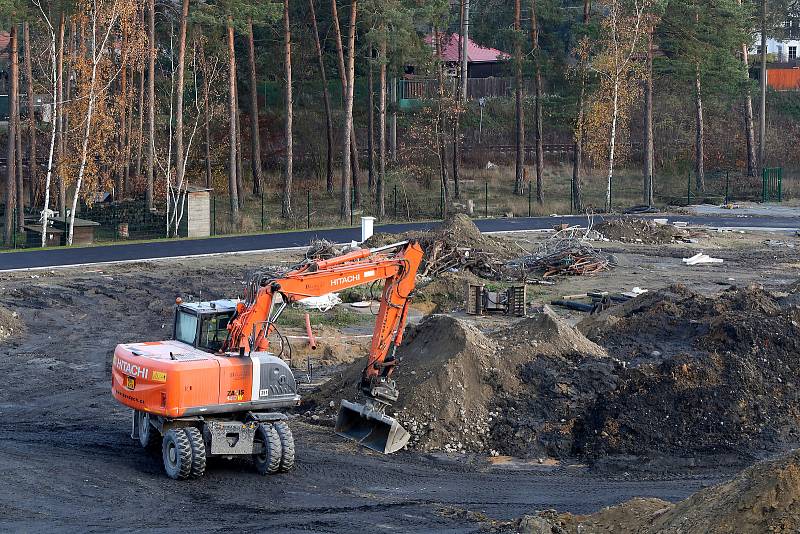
(61, 257)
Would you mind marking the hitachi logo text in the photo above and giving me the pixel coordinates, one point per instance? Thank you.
(346, 280)
(132, 369)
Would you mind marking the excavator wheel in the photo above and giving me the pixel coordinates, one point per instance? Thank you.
(148, 437)
(268, 461)
(198, 451)
(287, 446)
(176, 450)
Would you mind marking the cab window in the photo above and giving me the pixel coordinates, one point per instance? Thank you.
(214, 331)
(185, 327)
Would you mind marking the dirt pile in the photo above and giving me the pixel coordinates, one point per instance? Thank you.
(452, 374)
(763, 498)
(640, 231)
(10, 324)
(699, 374)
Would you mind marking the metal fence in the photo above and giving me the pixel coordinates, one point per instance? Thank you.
(485, 194)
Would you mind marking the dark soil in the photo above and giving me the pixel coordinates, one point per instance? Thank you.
(640, 231)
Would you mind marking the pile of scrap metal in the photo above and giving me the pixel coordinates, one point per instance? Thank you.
(600, 300)
(442, 256)
(567, 253)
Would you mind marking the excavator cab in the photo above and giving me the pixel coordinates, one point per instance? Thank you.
(204, 325)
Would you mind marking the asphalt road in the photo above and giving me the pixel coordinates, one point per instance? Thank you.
(31, 259)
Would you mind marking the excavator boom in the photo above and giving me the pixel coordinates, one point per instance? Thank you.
(365, 423)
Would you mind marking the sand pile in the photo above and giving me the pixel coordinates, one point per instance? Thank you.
(10, 324)
(763, 498)
(640, 231)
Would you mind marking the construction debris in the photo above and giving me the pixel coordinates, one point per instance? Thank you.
(567, 253)
(700, 259)
(648, 232)
(763, 498)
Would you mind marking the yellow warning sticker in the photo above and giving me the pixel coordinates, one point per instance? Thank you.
(159, 376)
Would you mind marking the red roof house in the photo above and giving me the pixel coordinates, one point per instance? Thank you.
(482, 62)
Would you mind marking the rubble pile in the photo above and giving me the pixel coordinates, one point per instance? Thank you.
(632, 230)
(763, 498)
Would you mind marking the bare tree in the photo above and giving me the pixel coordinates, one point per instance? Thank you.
(370, 124)
(179, 166)
(11, 171)
(255, 135)
(326, 101)
(700, 175)
(347, 129)
(762, 119)
(380, 187)
(577, 159)
(355, 171)
(649, 145)
(537, 103)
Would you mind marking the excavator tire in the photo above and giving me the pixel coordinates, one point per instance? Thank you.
(176, 450)
(268, 462)
(198, 451)
(148, 437)
(287, 446)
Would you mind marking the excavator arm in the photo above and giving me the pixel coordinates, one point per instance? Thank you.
(255, 321)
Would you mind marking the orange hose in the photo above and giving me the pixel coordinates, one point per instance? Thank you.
(312, 341)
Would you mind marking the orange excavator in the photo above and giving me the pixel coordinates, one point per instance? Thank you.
(215, 389)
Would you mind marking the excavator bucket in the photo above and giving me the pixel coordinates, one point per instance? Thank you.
(370, 428)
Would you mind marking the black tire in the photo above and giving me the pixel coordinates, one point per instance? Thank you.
(198, 451)
(287, 446)
(176, 451)
(148, 436)
(268, 461)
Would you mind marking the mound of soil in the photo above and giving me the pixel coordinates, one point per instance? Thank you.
(446, 292)
(10, 324)
(700, 374)
(640, 231)
(451, 375)
(763, 498)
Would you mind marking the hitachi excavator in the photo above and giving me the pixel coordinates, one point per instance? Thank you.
(215, 389)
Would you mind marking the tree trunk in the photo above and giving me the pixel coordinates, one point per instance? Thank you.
(119, 182)
(286, 208)
(577, 160)
(232, 188)
(59, 116)
(206, 119)
(370, 126)
(179, 155)
(326, 101)
(55, 104)
(613, 142)
(700, 177)
(460, 102)
(65, 126)
(440, 123)
(762, 119)
(749, 129)
(241, 194)
(140, 126)
(393, 123)
(537, 105)
(255, 134)
(11, 167)
(151, 103)
(380, 187)
(33, 165)
(520, 118)
(464, 47)
(356, 171)
(349, 76)
(20, 185)
(649, 145)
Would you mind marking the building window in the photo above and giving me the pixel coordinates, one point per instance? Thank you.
(792, 53)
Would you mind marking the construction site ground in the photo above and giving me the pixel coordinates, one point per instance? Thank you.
(67, 462)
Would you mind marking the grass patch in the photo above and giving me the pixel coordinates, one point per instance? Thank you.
(338, 317)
